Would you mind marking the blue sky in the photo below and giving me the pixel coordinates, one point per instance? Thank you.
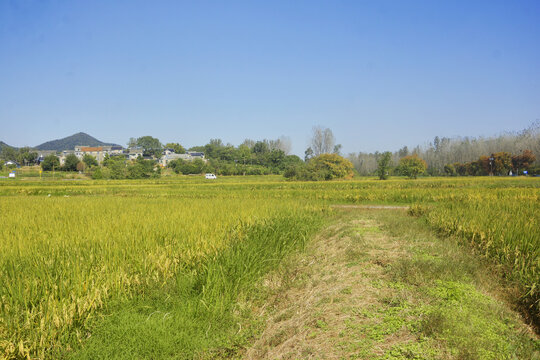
(380, 74)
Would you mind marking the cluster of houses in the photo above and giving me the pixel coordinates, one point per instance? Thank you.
(100, 152)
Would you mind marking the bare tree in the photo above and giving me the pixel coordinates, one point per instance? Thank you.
(322, 140)
(285, 144)
(249, 143)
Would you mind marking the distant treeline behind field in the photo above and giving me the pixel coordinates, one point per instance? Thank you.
(442, 150)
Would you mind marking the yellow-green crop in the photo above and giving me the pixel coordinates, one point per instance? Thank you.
(67, 248)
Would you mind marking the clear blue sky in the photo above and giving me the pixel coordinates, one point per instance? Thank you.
(380, 74)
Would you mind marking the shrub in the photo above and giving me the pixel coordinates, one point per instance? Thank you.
(449, 170)
(324, 167)
(412, 166)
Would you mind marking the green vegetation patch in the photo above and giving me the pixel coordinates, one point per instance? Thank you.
(203, 313)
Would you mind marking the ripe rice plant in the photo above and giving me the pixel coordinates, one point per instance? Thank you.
(63, 258)
(505, 229)
(68, 249)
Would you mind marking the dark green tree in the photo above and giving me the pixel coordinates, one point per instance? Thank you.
(150, 145)
(50, 162)
(118, 170)
(450, 170)
(308, 154)
(176, 147)
(383, 168)
(70, 164)
(89, 160)
(9, 153)
(211, 150)
(261, 147)
(26, 156)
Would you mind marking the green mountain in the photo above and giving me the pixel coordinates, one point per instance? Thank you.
(68, 143)
(3, 145)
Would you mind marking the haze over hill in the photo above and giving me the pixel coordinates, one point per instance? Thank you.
(70, 142)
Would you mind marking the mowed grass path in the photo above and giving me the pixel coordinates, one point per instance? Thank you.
(377, 285)
(83, 258)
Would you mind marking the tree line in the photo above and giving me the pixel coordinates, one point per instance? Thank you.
(497, 155)
(512, 151)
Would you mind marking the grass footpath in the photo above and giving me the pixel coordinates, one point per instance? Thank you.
(379, 285)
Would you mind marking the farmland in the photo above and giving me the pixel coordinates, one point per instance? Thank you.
(72, 249)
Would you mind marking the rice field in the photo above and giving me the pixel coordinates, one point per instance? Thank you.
(70, 248)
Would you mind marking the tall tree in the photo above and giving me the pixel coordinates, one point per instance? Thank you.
(308, 154)
(70, 164)
(384, 165)
(150, 145)
(89, 160)
(322, 140)
(177, 148)
(50, 162)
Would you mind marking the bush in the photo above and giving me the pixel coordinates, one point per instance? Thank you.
(450, 170)
(412, 166)
(196, 166)
(118, 170)
(143, 169)
(534, 170)
(97, 174)
(324, 167)
(292, 171)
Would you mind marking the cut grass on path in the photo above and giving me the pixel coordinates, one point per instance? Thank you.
(379, 285)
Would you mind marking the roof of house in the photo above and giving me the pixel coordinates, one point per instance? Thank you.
(196, 153)
(88, 149)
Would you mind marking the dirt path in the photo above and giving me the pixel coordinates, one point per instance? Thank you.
(341, 300)
(403, 207)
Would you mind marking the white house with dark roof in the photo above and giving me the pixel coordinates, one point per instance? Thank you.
(169, 155)
(133, 153)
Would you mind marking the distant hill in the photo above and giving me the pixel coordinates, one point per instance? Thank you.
(4, 145)
(68, 143)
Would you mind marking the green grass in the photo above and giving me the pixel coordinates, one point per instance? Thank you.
(453, 301)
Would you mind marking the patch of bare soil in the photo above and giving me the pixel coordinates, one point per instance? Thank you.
(319, 309)
(403, 207)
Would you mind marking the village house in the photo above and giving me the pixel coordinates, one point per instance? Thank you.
(64, 154)
(169, 155)
(42, 154)
(12, 163)
(97, 152)
(133, 153)
(113, 150)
